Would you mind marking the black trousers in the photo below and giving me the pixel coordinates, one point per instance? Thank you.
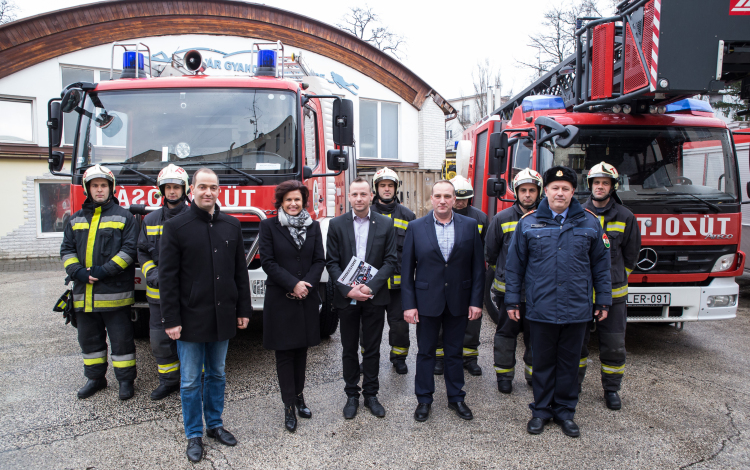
(506, 335)
(556, 350)
(290, 367)
(428, 332)
(163, 348)
(611, 348)
(398, 335)
(372, 318)
(93, 328)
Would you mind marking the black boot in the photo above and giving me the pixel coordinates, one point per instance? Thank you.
(613, 400)
(302, 409)
(439, 366)
(91, 387)
(163, 391)
(290, 419)
(126, 390)
(401, 367)
(473, 368)
(504, 386)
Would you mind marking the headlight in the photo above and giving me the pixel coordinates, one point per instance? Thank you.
(182, 150)
(721, 301)
(723, 263)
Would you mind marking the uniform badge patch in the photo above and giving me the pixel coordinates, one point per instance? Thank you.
(538, 225)
(605, 239)
(559, 173)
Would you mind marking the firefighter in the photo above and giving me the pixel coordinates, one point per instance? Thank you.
(385, 185)
(527, 187)
(98, 252)
(464, 195)
(622, 231)
(174, 188)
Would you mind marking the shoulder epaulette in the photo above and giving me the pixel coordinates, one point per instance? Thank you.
(590, 212)
(529, 213)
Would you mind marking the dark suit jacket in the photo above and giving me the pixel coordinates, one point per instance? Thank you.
(381, 254)
(428, 282)
(203, 281)
(290, 323)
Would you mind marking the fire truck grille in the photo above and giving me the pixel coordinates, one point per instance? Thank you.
(683, 259)
(653, 312)
(249, 233)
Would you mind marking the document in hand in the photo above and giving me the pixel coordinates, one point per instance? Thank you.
(357, 272)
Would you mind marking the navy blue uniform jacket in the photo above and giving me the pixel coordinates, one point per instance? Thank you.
(561, 265)
(428, 282)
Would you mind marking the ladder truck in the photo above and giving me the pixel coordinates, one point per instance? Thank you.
(626, 97)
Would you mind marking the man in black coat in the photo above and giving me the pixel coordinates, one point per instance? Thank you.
(370, 237)
(205, 297)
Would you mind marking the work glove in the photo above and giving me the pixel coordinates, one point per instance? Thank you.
(152, 278)
(82, 275)
(99, 272)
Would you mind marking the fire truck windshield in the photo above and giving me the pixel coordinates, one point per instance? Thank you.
(254, 131)
(674, 163)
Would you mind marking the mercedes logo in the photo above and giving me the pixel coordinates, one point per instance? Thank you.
(647, 259)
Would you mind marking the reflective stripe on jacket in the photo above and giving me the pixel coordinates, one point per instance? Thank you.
(500, 233)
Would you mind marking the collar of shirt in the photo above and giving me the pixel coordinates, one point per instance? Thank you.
(361, 219)
(564, 213)
(440, 223)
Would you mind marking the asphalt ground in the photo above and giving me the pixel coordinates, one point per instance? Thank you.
(685, 405)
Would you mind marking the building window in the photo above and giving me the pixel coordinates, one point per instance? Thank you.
(448, 134)
(378, 129)
(466, 113)
(16, 120)
(53, 208)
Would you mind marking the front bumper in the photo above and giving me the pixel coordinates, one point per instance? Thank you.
(687, 303)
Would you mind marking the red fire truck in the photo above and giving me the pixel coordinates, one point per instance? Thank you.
(624, 98)
(254, 132)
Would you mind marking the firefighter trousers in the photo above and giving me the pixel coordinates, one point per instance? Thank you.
(611, 348)
(471, 342)
(506, 335)
(163, 348)
(398, 336)
(93, 328)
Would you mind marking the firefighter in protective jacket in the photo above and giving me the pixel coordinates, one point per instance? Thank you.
(174, 187)
(464, 195)
(527, 187)
(622, 230)
(98, 252)
(385, 186)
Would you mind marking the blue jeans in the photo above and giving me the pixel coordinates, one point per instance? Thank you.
(205, 399)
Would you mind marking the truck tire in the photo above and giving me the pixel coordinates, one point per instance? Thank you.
(140, 318)
(329, 316)
(491, 310)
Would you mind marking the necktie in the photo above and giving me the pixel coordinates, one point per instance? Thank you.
(558, 219)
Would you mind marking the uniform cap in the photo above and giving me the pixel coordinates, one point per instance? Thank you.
(561, 173)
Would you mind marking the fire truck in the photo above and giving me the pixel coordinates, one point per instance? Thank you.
(625, 97)
(254, 132)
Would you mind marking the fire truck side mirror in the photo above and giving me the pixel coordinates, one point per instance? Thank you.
(337, 160)
(343, 123)
(56, 160)
(54, 124)
(306, 172)
(748, 189)
(498, 153)
(496, 187)
(70, 99)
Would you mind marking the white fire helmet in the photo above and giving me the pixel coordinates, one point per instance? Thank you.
(604, 170)
(98, 171)
(463, 187)
(175, 175)
(384, 173)
(527, 175)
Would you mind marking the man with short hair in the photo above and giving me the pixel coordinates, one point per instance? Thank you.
(370, 237)
(557, 257)
(204, 291)
(442, 283)
(98, 252)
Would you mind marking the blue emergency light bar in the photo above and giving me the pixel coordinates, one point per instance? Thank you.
(689, 104)
(266, 63)
(541, 103)
(129, 64)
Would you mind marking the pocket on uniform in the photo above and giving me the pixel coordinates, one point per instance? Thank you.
(231, 245)
(421, 285)
(539, 241)
(193, 294)
(105, 241)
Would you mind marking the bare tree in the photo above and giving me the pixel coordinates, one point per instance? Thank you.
(557, 40)
(365, 24)
(484, 79)
(8, 10)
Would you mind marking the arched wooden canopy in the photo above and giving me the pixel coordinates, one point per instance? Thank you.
(32, 40)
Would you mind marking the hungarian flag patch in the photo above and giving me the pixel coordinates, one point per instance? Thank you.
(605, 239)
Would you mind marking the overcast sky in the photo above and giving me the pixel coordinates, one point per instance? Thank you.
(444, 40)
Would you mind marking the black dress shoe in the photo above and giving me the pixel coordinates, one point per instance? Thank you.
(350, 409)
(569, 427)
(374, 406)
(473, 368)
(222, 435)
(536, 425)
(613, 400)
(401, 367)
(91, 387)
(461, 410)
(126, 390)
(290, 420)
(439, 367)
(195, 449)
(302, 409)
(163, 391)
(505, 386)
(422, 412)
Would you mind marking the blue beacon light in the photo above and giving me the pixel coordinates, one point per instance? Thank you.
(266, 63)
(129, 65)
(541, 103)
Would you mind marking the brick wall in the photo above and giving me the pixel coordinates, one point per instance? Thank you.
(431, 136)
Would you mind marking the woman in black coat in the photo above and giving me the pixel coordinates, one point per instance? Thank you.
(291, 253)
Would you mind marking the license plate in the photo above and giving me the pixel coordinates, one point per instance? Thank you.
(649, 300)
